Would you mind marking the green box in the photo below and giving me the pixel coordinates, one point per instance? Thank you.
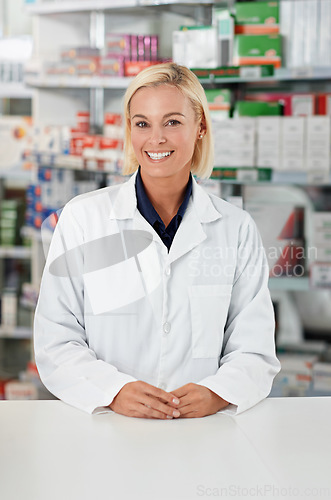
(257, 13)
(257, 108)
(229, 72)
(258, 49)
(219, 97)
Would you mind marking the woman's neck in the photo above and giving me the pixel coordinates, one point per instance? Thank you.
(165, 196)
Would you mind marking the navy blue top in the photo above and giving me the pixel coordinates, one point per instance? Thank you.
(147, 210)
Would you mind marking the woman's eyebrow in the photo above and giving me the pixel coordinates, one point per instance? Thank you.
(165, 116)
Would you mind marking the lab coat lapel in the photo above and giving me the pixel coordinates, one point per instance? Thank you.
(191, 232)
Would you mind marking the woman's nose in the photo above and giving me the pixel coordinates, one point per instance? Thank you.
(157, 136)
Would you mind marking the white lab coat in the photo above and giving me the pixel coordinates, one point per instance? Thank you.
(115, 306)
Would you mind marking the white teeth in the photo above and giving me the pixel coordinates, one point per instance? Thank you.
(158, 156)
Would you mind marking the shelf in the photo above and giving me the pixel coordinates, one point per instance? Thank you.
(15, 91)
(249, 175)
(281, 74)
(78, 82)
(15, 252)
(291, 284)
(119, 82)
(90, 5)
(18, 332)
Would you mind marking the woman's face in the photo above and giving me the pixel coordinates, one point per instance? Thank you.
(164, 131)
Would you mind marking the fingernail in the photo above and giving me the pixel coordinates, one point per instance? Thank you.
(176, 413)
(169, 416)
(175, 401)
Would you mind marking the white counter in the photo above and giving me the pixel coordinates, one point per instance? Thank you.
(281, 448)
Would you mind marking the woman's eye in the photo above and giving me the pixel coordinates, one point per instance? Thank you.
(173, 123)
(141, 124)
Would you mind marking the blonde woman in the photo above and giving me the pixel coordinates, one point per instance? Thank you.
(154, 300)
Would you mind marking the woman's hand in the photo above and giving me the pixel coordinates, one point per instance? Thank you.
(142, 400)
(198, 401)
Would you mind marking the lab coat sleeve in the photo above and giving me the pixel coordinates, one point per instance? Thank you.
(248, 362)
(67, 366)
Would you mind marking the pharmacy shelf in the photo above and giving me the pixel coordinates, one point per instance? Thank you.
(15, 252)
(117, 82)
(249, 175)
(15, 91)
(17, 332)
(281, 74)
(50, 7)
(291, 283)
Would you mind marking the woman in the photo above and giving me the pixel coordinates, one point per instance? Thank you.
(154, 299)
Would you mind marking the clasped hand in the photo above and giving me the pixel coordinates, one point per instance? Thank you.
(139, 399)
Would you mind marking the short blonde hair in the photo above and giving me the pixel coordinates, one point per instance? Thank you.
(186, 81)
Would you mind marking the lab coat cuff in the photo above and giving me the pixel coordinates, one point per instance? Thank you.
(103, 406)
(232, 408)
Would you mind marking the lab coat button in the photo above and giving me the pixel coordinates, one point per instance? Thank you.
(167, 271)
(163, 387)
(166, 327)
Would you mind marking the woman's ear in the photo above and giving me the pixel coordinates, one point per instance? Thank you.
(202, 129)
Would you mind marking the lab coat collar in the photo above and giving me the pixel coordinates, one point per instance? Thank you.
(125, 204)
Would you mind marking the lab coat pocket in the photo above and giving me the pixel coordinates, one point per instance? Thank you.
(209, 309)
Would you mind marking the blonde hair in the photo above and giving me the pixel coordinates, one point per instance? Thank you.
(186, 81)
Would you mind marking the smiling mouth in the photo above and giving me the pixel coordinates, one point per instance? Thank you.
(158, 156)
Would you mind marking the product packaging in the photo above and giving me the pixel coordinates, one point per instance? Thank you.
(294, 104)
(324, 104)
(112, 65)
(195, 46)
(317, 143)
(257, 18)
(269, 142)
(293, 143)
(234, 141)
(219, 103)
(257, 108)
(257, 49)
(224, 22)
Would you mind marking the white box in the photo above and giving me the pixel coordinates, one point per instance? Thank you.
(318, 143)
(9, 309)
(298, 34)
(269, 141)
(195, 47)
(234, 141)
(286, 24)
(312, 32)
(324, 58)
(293, 137)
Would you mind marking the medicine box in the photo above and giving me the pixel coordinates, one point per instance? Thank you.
(257, 108)
(258, 18)
(257, 49)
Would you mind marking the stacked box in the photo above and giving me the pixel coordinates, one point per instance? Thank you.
(294, 104)
(195, 47)
(293, 143)
(296, 374)
(269, 142)
(257, 50)
(234, 141)
(219, 103)
(224, 22)
(257, 108)
(318, 143)
(11, 221)
(257, 18)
